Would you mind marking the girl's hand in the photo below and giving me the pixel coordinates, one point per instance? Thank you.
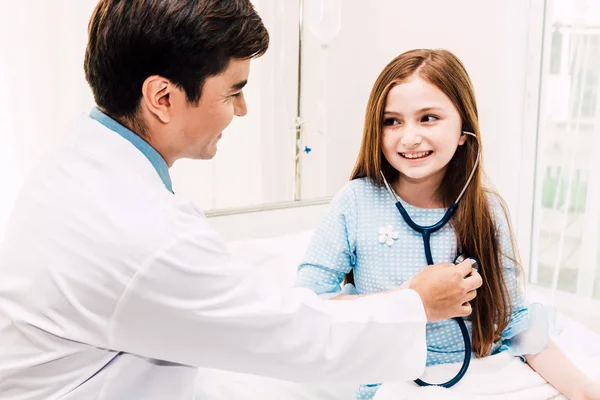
(589, 390)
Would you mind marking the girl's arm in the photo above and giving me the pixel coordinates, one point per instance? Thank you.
(331, 252)
(550, 363)
(561, 373)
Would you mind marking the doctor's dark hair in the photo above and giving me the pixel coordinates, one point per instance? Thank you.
(184, 41)
(476, 228)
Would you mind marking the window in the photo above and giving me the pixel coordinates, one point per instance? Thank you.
(566, 234)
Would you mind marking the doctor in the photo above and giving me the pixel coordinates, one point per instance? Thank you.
(113, 287)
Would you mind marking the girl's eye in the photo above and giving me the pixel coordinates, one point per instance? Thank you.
(429, 118)
(390, 122)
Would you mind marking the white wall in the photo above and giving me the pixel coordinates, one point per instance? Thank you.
(41, 54)
(491, 38)
(41, 83)
(8, 165)
(42, 46)
(500, 45)
(42, 61)
(254, 164)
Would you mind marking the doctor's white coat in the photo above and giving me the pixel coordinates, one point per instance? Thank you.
(111, 287)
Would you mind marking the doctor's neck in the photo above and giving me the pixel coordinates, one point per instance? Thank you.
(147, 132)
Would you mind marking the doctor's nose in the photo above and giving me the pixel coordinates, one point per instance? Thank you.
(239, 105)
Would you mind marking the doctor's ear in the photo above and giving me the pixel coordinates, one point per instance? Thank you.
(156, 96)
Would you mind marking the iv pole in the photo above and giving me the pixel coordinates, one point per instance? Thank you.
(298, 123)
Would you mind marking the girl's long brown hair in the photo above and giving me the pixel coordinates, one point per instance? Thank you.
(476, 230)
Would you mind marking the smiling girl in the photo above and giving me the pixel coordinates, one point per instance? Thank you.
(422, 136)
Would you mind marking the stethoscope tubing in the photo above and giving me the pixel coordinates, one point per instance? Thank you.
(426, 232)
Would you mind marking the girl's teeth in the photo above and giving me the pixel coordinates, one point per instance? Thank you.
(415, 155)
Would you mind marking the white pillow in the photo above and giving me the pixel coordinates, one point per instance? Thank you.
(274, 259)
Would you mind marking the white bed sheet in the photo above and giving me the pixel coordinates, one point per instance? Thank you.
(275, 262)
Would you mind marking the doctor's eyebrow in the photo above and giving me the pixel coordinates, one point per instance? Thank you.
(238, 86)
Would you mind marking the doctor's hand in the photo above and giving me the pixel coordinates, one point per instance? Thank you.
(446, 289)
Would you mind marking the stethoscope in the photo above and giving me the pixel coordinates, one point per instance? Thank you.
(426, 232)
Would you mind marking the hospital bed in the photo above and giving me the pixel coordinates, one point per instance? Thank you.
(275, 258)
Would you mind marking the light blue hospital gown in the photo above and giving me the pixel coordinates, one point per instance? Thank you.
(348, 238)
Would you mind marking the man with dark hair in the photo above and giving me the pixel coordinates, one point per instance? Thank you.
(148, 63)
(113, 287)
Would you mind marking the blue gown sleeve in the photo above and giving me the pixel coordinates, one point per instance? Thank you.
(332, 250)
(528, 330)
(366, 392)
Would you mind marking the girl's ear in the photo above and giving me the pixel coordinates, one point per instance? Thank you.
(463, 138)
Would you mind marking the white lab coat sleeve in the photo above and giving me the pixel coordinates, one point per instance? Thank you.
(191, 304)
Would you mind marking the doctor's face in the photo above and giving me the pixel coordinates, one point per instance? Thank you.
(201, 126)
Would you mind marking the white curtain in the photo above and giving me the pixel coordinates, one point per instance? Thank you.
(566, 257)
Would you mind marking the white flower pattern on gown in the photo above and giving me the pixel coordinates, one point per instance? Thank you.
(387, 235)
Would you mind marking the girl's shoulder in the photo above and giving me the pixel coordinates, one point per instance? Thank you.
(498, 207)
(360, 190)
